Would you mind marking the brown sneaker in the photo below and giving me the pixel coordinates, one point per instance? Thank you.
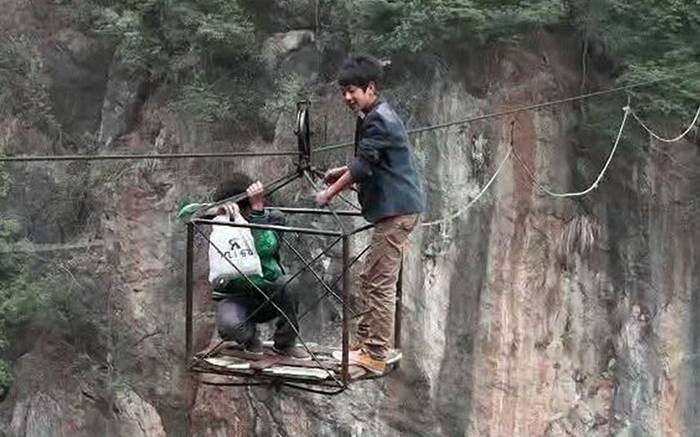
(294, 351)
(362, 358)
(356, 345)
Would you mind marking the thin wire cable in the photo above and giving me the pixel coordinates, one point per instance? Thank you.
(312, 390)
(668, 140)
(475, 199)
(595, 183)
(27, 158)
(321, 149)
(508, 112)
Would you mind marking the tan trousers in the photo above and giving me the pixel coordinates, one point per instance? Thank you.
(379, 276)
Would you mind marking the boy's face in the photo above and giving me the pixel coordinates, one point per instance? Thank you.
(358, 99)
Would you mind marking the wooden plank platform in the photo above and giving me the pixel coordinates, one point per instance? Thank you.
(231, 360)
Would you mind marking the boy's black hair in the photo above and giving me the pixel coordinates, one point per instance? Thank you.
(360, 70)
(236, 184)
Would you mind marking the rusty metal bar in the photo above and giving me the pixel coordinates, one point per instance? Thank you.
(361, 229)
(270, 188)
(344, 371)
(189, 282)
(311, 231)
(290, 210)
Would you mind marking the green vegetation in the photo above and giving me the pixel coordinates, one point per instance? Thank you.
(22, 91)
(204, 51)
(169, 37)
(18, 295)
(639, 41)
(189, 47)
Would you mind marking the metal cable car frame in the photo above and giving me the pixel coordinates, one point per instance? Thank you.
(304, 171)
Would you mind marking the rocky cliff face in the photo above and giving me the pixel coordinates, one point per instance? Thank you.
(526, 315)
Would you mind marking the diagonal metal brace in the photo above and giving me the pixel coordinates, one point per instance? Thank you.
(329, 290)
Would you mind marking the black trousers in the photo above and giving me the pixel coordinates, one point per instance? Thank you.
(234, 311)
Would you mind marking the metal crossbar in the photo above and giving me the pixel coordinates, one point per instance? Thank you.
(270, 227)
(312, 211)
(270, 188)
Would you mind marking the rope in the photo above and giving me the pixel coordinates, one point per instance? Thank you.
(475, 199)
(668, 140)
(627, 110)
(594, 185)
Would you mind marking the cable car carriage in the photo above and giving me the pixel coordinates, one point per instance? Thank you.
(329, 370)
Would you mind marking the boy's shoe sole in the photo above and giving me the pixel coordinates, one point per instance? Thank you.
(301, 354)
(255, 347)
(395, 355)
(364, 360)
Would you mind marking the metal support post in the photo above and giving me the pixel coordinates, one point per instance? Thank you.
(189, 282)
(345, 374)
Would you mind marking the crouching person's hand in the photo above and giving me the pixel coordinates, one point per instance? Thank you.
(256, 192)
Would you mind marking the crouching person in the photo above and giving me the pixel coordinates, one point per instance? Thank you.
(240, 305)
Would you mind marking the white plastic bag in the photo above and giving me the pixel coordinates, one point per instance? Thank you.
(238, 246)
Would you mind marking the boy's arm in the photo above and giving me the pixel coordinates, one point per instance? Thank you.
(343, 182)
(369, 151)
(334, 174)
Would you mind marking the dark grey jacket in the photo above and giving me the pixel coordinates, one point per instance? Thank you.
(384, 166)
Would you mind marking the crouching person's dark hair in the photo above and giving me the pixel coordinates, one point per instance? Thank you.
(236, 184)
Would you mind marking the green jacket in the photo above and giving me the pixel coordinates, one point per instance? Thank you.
(267, 244)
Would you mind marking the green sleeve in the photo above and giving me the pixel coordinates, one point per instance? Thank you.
(266, 243)
(266, 240)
